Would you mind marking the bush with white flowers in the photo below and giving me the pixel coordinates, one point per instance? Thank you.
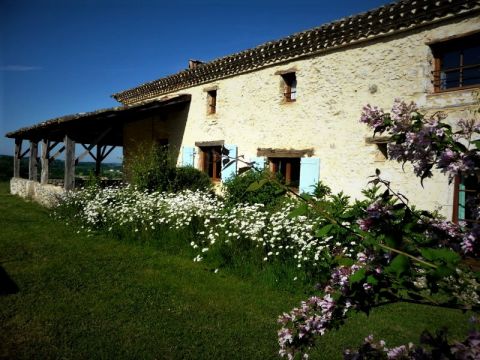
(279, 236)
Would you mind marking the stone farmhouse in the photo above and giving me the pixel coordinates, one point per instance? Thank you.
(294, 104)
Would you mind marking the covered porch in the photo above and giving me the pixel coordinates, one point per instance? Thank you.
(98, 133)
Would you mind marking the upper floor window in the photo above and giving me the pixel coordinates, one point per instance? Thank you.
(290, 86)
(212, 101)
(457, 63)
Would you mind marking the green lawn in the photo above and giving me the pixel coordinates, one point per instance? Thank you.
(94, 297)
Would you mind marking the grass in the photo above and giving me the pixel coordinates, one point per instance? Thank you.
(97, 297)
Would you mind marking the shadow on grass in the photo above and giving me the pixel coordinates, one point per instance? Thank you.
(7, 285)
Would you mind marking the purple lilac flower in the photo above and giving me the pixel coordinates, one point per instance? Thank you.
(467, 127)
(372, 116)
(311, 318)
(375, 212)
(401, 115)
(398, 352)
(341, 274)
(447, 227)
(420, 146)
(365, 224)
(455, 163)
(470, 243)
(367, 286)
(362, 257)
(469, 349)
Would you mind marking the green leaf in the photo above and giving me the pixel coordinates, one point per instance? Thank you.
(398, 266)
(357, 276)
(372, 280)
(322, 232)
(442, 272)
(476, 143)
(445, 255)
(386, 195)
(256, 185)
(300, 210)
(344, 261)
(390, 240)
(460, 146)
(399, 206)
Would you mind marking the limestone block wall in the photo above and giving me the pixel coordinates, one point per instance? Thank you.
(45, 194)
(165, 126)
(332, 88)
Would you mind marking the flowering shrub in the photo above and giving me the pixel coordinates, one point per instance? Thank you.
(406, 255)
(228, 231)
(113, 208)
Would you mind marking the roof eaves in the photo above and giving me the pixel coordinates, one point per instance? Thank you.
(105, 113)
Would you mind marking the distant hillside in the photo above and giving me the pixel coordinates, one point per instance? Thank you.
(109, 170)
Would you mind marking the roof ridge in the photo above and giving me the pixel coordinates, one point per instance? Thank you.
(298, 33)
(330, 35)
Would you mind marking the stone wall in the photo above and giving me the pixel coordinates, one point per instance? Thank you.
(47, 195)
(332, 88)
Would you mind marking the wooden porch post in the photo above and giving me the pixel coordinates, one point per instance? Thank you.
(69, 182)
(45, 161)
(98, 160)
(16, 159)
(32, 163)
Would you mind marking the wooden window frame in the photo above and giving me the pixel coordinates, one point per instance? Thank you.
(289, 86)
(456, 199)
(212, 101)
(216, 153)
(289, 168)
(440, 49)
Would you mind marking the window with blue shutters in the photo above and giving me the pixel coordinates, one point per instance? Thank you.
(300, 174)
(218, 161)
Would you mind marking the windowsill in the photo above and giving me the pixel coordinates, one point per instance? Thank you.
(378, 140)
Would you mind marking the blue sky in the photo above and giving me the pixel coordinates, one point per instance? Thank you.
(63, 57)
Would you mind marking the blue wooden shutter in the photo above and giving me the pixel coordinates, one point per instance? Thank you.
(309, 174)
(231, 168)
(258, 162)
(188, 155)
